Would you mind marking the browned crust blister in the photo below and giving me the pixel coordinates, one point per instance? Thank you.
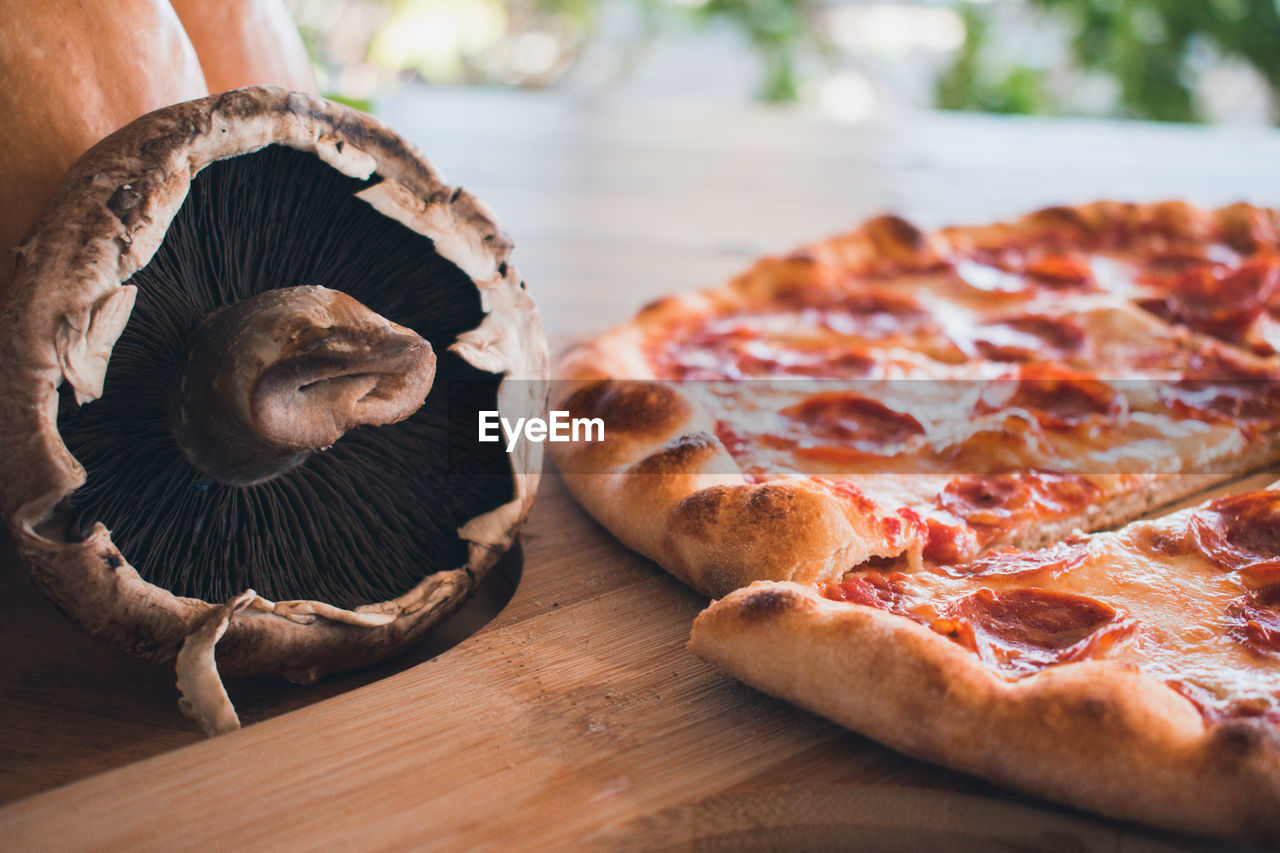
(1092, 733)
(69, 305)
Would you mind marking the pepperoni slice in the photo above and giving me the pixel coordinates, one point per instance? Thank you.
(1060, 401)
(871, 589)
(1043, 267)
(1160, 265)
(1030, 337)
(1062, 269)
(997, 502)
(1172, 260)
(827, 363)
(736, 351)
(1050, 562)
(874, 313)
(852, 420)
(738, 444)
(1006, 258)
(1240, 532)
(1253, 400)
(1158, 541)
(703, 354)
(1020, 631)
(1254, 620)
(1218, 300)
(948, 544)
(1222, 385)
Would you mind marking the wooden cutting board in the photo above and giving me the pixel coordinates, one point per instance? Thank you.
(575, 718)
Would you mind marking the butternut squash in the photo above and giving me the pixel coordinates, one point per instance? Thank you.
(71, 72)
(246, 43)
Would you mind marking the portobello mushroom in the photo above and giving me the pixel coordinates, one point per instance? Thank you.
(217, 351)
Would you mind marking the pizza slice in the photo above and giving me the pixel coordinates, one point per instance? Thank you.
(891, 396)
(1135, 673)
(886, 451)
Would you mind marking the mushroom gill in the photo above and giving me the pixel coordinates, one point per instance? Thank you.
(215, 353)
(358, 523)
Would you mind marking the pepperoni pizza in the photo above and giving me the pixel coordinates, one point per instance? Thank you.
(887, 451)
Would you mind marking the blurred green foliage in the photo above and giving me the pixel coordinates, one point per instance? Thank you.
(453, 41)
(778, 30)
(974, 82)
(363, 104)
(1149, 47)
(1156, 53)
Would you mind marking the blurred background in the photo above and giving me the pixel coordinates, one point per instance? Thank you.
(1215, 61)
(638, 147)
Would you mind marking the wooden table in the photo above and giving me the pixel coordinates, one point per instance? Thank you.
(576, 717)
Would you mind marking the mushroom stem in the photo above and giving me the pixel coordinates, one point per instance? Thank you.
(271, 379)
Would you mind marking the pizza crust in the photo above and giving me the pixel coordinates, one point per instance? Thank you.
(656, 482)
(1093, 734)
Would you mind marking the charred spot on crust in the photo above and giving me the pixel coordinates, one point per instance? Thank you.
(896, 231)
(1246, 228)
(365, 520)
(764, 604)
(629, 406)
(698, 515)
(684, 455)
(1055, 710)
(1060, 218)
(770, 503)
(1175, 219)
(1099, 711)
(737, 513)
(1244, 738)
(657, 306)
(899, 241)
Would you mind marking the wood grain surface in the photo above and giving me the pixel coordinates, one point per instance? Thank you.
(575, 717)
